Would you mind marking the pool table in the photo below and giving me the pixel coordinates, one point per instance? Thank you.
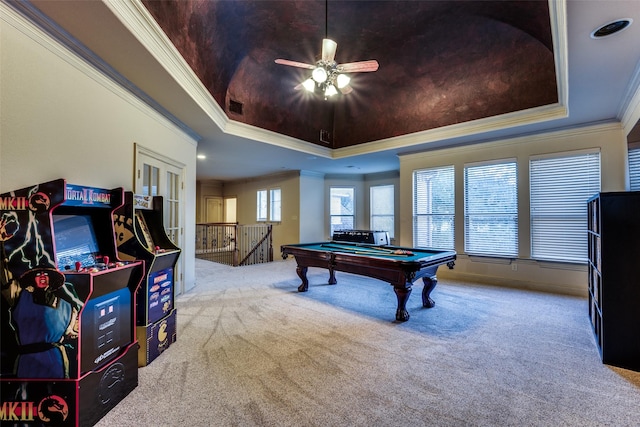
(397, 265)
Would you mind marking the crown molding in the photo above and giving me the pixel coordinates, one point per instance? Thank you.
(34, 24)
(629, 113)
(577, 132)
(559, 35)
(476, 128)
(312, 174)
(144, 28)
(262, 135)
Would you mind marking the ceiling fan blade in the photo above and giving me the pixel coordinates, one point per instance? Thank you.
(359, 67)
(295, 64)
(329, 50)
(346, 90)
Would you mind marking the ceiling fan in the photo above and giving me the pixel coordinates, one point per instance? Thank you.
(328, 76)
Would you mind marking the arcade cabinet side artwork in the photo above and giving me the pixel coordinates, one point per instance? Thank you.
(67, 306)
(140, 234)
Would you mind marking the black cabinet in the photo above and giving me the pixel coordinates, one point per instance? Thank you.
(614, 276)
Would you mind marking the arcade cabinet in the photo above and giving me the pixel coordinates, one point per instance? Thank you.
(69, 347)
(362, 236)
(140, 234)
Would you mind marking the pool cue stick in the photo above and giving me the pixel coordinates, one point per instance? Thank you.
(381, 254)
(353, 248)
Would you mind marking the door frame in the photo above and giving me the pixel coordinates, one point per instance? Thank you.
(165, 164)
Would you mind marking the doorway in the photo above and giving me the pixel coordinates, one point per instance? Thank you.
(157, 175)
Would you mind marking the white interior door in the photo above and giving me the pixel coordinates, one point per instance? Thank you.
(213, 209)
(157, 175)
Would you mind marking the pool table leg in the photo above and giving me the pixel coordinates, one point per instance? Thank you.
(429, 284)
(402, 293)
(332, 276)
(302, 274)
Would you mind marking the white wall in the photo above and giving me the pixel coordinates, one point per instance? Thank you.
(524, 272)
(312, 212)
(62, 119)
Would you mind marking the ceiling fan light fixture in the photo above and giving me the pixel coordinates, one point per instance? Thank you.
(326, 75)
(320, 75)
(309, 85)
(342, 80)
(330, 90)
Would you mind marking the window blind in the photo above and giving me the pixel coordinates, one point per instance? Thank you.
(634, 169)
(559, 189)
(434, 208)
(491, 209)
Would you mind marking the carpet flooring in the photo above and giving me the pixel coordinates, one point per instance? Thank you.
(252, 351)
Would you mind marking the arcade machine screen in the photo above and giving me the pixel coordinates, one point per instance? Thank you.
(75, 241)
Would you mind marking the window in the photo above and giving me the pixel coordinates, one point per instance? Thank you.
(341, 208)
(150, 180)
(491, 209)
(382, 209)
(634, 169)
(275, 206)
(560, 186)
(434, 208)
(262, 205)
(273, 203)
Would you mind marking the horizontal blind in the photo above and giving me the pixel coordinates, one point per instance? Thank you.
(491, 209)
(634, 169)
(434, 207)
(559, 189)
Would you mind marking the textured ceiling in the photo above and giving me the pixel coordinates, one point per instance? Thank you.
(441, 63)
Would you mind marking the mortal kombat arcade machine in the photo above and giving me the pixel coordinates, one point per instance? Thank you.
(69, 347)
(140, 234)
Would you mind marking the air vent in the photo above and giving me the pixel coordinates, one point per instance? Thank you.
(235, 107)
(325, 136)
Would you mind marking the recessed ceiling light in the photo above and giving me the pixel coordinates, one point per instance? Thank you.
(611, 28)
(201, 156)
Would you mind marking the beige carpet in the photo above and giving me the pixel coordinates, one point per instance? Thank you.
(252, 351)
